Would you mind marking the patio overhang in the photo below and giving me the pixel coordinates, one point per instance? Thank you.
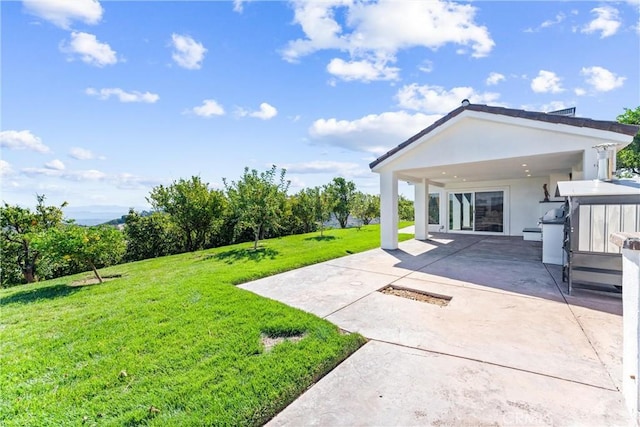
(541, 165)
(492, 146)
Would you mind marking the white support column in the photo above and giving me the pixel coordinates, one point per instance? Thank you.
(630, 244)
(421, 209)
(388, 210)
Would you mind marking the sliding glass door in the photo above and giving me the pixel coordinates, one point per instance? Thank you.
(477, 211)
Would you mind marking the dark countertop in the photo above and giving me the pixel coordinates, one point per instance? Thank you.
(558, 221)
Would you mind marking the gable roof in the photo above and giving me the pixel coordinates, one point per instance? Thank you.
(605, 125)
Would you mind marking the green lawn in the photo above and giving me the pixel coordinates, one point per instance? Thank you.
(171, 342)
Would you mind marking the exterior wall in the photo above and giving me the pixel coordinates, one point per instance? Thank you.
(554, 178)
(522, 201)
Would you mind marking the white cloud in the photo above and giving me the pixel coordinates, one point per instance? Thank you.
(81, 154)
(295, 184)
(78, 175)
(265, 112)
(386, 26)
(373, 33)
(63, 12)
(89, 49)
(238, 5)
(579, 91)
(426, 66)
(601, 79)
(123, 96)
(187, 53)
(318, 24)
(363, 70)
(128, 181)
(559, 18)
(551, 22)
(56, 169)
(55, 165)
(41, 171)
(209, 108)
(375, 133)
(5, 168)
(607, 22)
(82, 175)
(494, 78)
(22, 140)
(553, 106)
(437, 100)
(550, 106)
(546, 82)
(345, 169)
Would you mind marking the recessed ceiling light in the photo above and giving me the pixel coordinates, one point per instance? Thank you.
(464, 179)
(455, 176)
(528, 174)
(444, 173)
(526, 170)
(524, 165)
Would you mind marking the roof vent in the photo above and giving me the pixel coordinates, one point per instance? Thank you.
(465, 102)
(568, 112)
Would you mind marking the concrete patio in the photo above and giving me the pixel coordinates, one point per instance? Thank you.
(510, 348)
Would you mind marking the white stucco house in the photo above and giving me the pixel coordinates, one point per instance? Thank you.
(484, 168)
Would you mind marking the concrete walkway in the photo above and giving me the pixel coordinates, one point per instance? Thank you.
(510, 348)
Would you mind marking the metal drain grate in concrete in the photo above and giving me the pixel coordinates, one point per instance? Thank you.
(416, 295)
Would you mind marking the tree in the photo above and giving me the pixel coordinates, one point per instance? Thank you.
(405, 209)
(192, 206)
(341, 193)
(365, 207)
(150, 236)
(257, 201)
(303, 211)
(18, 228)
(629, 157)
(322, 206)
(93, 247)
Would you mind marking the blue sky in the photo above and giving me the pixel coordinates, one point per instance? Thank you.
(101, 101)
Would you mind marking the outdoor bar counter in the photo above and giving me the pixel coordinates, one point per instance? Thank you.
(630, 245)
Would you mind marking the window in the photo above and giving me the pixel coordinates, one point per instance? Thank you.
(434, 208)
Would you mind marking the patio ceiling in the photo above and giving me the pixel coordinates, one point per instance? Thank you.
(498, 169)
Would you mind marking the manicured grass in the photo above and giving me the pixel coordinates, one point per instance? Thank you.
(171, 342)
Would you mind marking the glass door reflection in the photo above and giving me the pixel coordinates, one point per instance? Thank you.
(461, 211)
(489, 211)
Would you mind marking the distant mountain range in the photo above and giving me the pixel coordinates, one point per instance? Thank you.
(97, 214)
